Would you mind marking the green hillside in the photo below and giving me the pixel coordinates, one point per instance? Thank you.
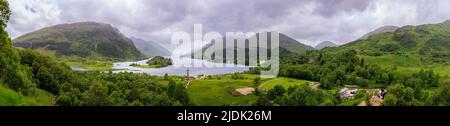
(293, 45)
(410, 48)
(430, 41)
(9, 97)
(81, 39)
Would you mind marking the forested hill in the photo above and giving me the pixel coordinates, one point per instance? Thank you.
(81, 39)
(431, 42)
(287, 47)
(412, 63)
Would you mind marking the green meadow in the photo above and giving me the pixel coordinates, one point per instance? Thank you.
(219, 90)
(92, 62)
(409, 64)
(9, 97)
(283, 81)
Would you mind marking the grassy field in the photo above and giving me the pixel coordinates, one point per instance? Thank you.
(408, 64)
(9, 97)
(149, 66)
(390, 60)
(92, 62)
(216, 92)
(88, 64)
(283, 81)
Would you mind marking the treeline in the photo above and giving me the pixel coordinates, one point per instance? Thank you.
(94, 88)
(123, 89)
(101, 89)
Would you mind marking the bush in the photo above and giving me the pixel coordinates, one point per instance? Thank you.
(443, 95)
(306, 96)
(160, 61)
(97, 95)
(390, 47)
(278, 90)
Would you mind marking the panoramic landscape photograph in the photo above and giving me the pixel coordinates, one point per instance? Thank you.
(225, 53)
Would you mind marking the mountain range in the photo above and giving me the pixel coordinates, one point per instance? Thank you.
(84, 38)
(325, 44)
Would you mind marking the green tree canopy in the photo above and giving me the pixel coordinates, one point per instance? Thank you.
(5, 13)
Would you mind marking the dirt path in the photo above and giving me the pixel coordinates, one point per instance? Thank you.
(374, 101)
(260, 86)
(314, 85)
(246, 90)
(188, 83)
(363, 103)
(190, 80)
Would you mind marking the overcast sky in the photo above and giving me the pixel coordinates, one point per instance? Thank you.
(309, 21)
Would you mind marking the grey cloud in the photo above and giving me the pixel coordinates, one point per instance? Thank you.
(331, 7)
(308, 20)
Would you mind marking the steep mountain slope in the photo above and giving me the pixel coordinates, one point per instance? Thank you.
(293, 45)
(81, 39)
(427, 40)
(288, 46)
(379, 31)
(150, 48)
(325, 44)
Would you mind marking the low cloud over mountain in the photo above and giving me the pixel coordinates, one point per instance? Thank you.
(309, 21)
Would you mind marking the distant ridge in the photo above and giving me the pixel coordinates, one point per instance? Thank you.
(380, 31)
(288, 47)
(325, 44)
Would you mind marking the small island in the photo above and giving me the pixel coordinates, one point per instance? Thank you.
(155, 62)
